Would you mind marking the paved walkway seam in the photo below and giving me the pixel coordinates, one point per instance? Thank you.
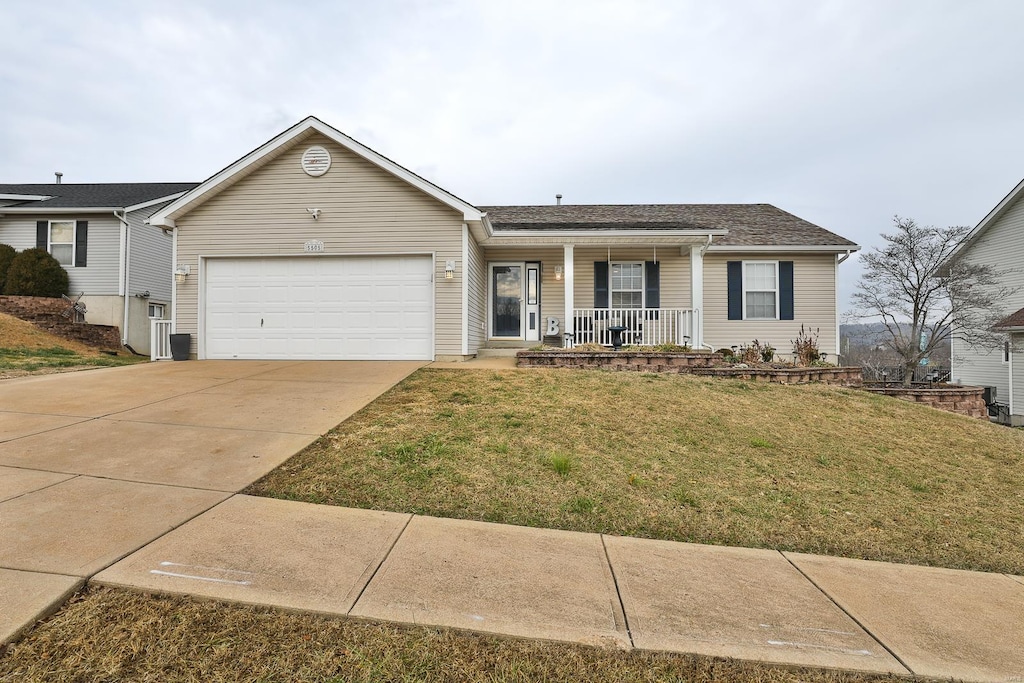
(618, 593)
(71, 476)
(380, 564)
(849, 614)
(176, 526)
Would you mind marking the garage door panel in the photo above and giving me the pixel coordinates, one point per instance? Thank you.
(320, 308)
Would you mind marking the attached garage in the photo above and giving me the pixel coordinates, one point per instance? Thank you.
(319, 308)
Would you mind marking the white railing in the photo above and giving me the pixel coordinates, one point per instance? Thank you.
(160, 340)
(644, 326)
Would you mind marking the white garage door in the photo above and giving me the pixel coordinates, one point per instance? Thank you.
(324, 308)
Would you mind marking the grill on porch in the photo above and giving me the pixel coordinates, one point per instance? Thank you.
(644, 326)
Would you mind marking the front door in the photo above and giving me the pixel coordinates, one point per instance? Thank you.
(515, 301)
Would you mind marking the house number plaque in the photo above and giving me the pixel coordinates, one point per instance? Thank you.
(313, 245)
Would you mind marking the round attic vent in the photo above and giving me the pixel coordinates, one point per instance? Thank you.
(316, 161)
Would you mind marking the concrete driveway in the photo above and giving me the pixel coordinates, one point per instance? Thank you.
(94, 465)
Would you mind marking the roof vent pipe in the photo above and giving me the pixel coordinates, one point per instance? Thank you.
(558, 200)
(59, 176)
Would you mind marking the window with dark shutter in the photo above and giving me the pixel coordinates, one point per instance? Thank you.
(81, 242)
(600, 284)
(786, 290)
(734, 272)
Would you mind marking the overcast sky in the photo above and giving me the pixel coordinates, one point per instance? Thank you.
(844, 113)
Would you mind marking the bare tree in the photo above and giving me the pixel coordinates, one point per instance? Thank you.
(922, 300)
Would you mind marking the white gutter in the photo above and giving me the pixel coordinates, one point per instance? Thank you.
(123, 217)
(844, 256)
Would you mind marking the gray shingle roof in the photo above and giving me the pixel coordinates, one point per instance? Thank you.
(87, 195)
(748, 224)
(1012, 320)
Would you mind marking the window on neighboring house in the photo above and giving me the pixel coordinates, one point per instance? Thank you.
(760, 290)
(627, 285)
(156, 311)
(62, 242)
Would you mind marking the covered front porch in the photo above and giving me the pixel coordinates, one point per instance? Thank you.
(579, 293)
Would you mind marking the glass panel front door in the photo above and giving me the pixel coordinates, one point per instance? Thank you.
(507, 298)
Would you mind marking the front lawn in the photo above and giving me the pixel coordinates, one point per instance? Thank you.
(810, 468)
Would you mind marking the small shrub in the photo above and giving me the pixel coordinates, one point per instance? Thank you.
(34, 272)
(727, 354)
(590, 346)
(805, 347)
(7, 254)
(767, 353)
(672, 348)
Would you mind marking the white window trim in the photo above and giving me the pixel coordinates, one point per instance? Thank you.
(74, 239)
(643, 283)
(163, 308)
(744, 288)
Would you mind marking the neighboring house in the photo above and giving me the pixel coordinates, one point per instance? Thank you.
(315, 246)
(998, 241)
(119, 264)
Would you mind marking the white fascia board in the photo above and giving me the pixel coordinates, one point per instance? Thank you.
(992, 216)
(153, 202)
(26, 197)
(829, 248)
(168, 213)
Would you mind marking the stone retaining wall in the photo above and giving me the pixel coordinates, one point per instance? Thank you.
(636, 361)
(695, 363)
(847, 377)
(46, 314)
(968, 401)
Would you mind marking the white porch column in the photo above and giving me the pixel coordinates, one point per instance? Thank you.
(568, 273)
(697, 293)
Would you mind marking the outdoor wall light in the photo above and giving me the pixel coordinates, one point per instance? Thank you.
(449, 270)
(181, 272)
(558, 272)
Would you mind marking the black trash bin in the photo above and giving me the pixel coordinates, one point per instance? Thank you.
(180, 344)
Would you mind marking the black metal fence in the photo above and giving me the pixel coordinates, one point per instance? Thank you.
(923, 374)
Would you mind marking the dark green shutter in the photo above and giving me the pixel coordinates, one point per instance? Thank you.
(734, 271)
(81, 242)
(42, 235)
(600, 284)
(785, 290)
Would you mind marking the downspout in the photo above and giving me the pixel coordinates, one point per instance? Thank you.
(1010, 360)
(700, 323)
(844, 257)
(123, 217)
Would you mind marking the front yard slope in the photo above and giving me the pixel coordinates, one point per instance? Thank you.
(808, 468)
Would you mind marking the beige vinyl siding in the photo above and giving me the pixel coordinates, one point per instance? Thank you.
(552, 291)
(675, 272)
(476, 273)
(150, 269)
(1002, 247)
(102, 271)
(814, 303)
(364, 210)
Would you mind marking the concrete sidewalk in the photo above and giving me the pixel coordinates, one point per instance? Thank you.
(619, 592)
(127, 477)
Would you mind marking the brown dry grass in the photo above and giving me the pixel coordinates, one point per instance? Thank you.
(27, 350)
(812, 468)
(115, 635)
(21, 334)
